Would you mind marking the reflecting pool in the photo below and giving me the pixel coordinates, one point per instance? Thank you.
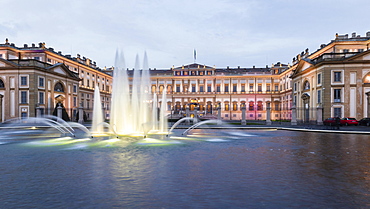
(205, 169)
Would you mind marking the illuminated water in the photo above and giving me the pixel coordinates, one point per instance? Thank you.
(211, 169)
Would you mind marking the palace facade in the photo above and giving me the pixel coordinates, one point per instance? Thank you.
(332, 81)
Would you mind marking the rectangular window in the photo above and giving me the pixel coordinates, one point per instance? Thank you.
(37, 58)
(193, 88)
(337, 76)
(24, 115)
(178, 88)
(75, 101)
(75, 88)
(243, 88)
(234, 88)
(209, 89)
(41, 82)
(24, 81)
(201, 88)
(276, 106)
(276, 87)
(318, 78)
(251, 87)
(259, 88)
(338, 112)
(318, 96)
(268, 88)
(337, 95)
(226, 87)
(218, 88)
(24, 97)
(41, 98)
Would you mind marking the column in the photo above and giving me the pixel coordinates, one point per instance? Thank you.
(244, 122)
(268, 115)
(1, 108)
(294, 116)
(319, 115)
(60, 111)
(368, 103)
(219, 114)
(80, 114)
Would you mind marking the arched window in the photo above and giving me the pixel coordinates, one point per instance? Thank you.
(2, 84)
(251, 106)
(259, 105)
(59, 87)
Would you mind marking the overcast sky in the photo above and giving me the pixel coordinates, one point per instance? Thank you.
(223, 32)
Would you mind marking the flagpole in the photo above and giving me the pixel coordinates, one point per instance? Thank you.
(195, 55)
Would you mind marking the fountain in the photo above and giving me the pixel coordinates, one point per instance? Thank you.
(131, 103)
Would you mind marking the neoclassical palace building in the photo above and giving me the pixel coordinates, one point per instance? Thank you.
(332, 81)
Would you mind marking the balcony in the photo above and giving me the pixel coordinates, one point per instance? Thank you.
(334, 57)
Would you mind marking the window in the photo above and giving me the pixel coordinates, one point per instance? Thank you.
(268, 88)
(41, 82)
(218, 88)
(337, 112)
(295, 86)
(58, 87)
(251, 106)
(360, 50)
(259, 88)
(193, 88)
(178, 88)
(318, 78)
(251, 87)
(276, 106)
(209, 89)
(337, 95)
(41, 98)
(226, 87)
(24, 97)
(75, 101)
(243, 88)
(226, 107)
(24, 81)
(49, 60)
(318, 96)
(337, 76)
(234, 88)
(345, 50)
(201, 88)
(36, 58)
(2, 84)
(1, 55)
(259, 105)
(23, 115)
(75, 88)
(276, 87)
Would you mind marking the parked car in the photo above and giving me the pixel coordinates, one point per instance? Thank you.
(364, 122)
(329, 122)
(348, 121)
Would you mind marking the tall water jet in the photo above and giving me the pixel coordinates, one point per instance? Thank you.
(98, 118)
(163, 127)
(155, 112)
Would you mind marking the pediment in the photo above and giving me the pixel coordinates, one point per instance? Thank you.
(193, 66)
(303, 65)
(59, 70)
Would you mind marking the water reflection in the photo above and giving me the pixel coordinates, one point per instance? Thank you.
(253, 169)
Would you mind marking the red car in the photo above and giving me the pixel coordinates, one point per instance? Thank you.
(348, 121)
(329, 122)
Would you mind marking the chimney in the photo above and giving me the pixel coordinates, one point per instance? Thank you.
(368, 34)
(25, 46)
(354, 35)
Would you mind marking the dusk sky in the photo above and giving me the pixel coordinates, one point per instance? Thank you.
(223, 32)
